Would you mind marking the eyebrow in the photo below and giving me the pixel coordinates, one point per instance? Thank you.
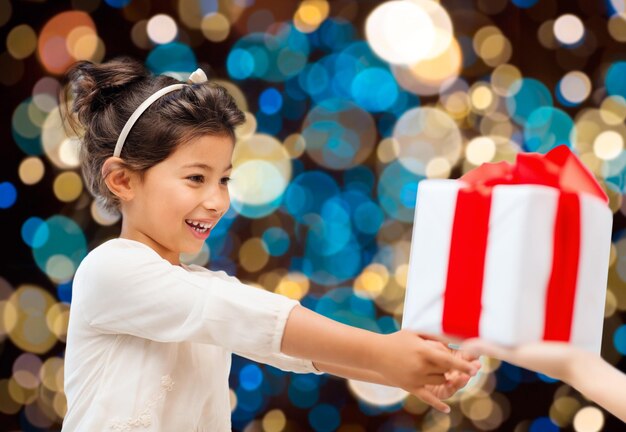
(204, 166)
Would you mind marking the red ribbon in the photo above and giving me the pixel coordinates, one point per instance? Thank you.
(559, 169)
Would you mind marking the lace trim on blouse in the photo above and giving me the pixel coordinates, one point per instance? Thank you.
(144, 418)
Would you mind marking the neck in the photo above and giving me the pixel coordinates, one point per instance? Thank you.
(131, 233)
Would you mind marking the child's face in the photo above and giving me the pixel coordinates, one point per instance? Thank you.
(186, 189)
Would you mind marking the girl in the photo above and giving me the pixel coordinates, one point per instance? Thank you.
(150, 339)
(586, 372)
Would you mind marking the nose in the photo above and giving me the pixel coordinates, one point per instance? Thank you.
(216, 200)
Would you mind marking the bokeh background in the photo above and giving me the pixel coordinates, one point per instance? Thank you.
(349, 105)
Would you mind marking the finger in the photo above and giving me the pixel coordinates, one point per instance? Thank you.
(447, 361)
(438, 345)
(458, 380)
(432, 400)
(435, 379)
(433, 337)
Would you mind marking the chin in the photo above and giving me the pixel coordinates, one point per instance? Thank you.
(192, 249)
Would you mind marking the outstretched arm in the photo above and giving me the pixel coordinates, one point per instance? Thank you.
(402, 359)
(586, 372)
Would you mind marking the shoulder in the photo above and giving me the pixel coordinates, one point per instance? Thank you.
(203, 271)
(115, 258)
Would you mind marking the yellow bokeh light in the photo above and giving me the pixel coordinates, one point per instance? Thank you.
(310, 14)
(57, 319)
(617, 27)
(248, 127)
(252, 255)
(563, 409)
(8, 317)
(503, 77)
(215, 27)
(388, 150)
(426, 133)
(438, 167)
(233, 400)
(456, 104)
(295, 144)
(103, 216)
(481, 98)
(82, 42)
(589, 419)
(190, 13)
(31, 170)
(613, 110)
(293, 285)
(496, 50)
(372, 280)
(274, 421)
(52, 46)
(8, 405)
(30, 332)
(139, 34)
(51, 374)
(59, 404)
(67, 186)
(431, 76)
(61, 149)
(401, 275)
(21, 394)
(21, 41)
(480, 150)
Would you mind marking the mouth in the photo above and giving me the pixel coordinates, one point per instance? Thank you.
(200, 228)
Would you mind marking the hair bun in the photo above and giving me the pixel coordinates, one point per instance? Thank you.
(95, 86)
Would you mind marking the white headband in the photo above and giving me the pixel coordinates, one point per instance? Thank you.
(195, 78)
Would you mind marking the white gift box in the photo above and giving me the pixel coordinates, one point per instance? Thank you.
(517, 263)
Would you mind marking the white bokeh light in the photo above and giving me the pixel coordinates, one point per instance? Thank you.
(400, 32)
(608, 145)
(376, 394)
(569, 29)
(575, 86)
(162, 29)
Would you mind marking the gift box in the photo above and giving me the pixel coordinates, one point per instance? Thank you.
(511, 253)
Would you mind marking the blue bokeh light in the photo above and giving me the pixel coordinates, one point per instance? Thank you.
(35, 232)
(8, 195)
(619, 339)
(270, 101)
(250, 377)
(324, 418)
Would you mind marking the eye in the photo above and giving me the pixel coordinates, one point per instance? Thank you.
(196, 178)
(225, 180)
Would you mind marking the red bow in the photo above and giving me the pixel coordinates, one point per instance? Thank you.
(559, 168)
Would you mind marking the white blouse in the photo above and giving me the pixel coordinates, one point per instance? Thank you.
(149, 343)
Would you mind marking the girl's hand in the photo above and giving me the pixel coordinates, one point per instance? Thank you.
(456, 380)
(422, 367)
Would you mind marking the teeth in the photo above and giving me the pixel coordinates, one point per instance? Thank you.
(200, 226)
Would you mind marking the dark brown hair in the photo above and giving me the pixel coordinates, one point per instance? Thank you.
(104, 97)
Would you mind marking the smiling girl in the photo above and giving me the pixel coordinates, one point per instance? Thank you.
(150, 339)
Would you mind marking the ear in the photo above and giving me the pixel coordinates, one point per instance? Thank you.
(119, 178)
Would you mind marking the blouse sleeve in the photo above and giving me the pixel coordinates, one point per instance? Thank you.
(131, 290)
(284, 362)
(276, 359)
